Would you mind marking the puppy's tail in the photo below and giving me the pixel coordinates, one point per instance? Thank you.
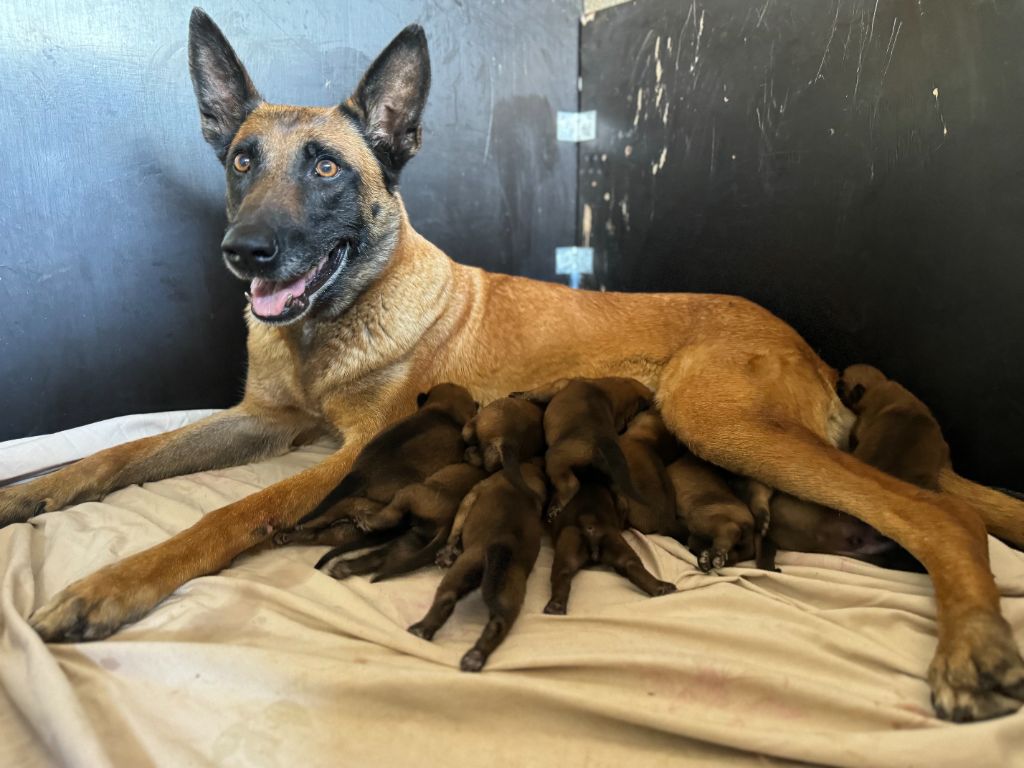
(511, 468)
(609, 459)
(401, 560)
(497, 562)
(1003, 514)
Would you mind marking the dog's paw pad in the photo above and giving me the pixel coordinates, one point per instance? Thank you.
(555, 608)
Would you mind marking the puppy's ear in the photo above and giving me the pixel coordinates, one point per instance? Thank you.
(390, 98)
(854, 394)
(223, 89)
(421, 398)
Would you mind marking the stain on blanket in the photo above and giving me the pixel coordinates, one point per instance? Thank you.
(259, 738)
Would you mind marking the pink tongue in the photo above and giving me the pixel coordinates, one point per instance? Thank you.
(269, 298)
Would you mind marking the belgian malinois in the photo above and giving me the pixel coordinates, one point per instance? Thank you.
(353, 314)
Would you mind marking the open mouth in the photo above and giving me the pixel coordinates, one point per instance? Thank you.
(284, 301)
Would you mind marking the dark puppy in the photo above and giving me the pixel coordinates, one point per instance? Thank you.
(426, 509)
(406, 452)
(648, 447)
(589, 530)
(500, 541)
(582, 423)
(894, 431)
(503, 434)
(720, 524)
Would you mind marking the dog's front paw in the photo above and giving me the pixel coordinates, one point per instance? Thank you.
(977, 673)
(19, 503)
(448, 555)
(92, 608)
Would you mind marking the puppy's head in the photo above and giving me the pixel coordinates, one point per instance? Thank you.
(312, 204)
(628, 396)
(452, 399)
(855, 382)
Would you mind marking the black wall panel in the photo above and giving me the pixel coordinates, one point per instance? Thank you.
(113, 298)
(857, 166)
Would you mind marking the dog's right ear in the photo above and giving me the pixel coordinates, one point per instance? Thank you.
(223, 89)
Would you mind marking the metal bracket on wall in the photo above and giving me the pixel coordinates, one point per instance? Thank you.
(574, 261)
(577, 126)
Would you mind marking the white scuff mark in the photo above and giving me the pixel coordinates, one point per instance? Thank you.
(668, 43)
(763, 12)
(490, 119)
(604, 157)
(664, 114)
(593, 184)
(624, 210)
(657, 60)
(327, 84)
(938, 108)
(700, 34)
(874, 13)
(609, 227)
(655, 167)
(607, 196)
(628, 150)
(588, 223)
(831, 131)
(579, 83)
(586, 18)
(659, 92)
(725, 99)
(732, 156)
(835, 22)
(639, 106)
(686, 22)
(897, 25)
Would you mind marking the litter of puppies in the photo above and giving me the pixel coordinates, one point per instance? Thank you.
(473, 490)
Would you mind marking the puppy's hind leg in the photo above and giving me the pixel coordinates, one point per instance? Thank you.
(570, 556)
(504, 587)
(339, 569)
(620, 556)
(559, 464)
(463, 577)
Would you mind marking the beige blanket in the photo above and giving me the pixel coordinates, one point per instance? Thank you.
(271, 663)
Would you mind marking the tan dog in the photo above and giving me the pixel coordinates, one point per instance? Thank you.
(426, 509)
(500, 541)
(589, 530)
(352, 318)
(720, 525)
(504, 433)
(582, 423)
(648, 447)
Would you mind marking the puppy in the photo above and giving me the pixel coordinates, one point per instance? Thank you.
(500, 540)
(427, 509)
(894, 431)
(720, 525)
(648, 447)
(582, 423)
(407, 452)
(589, 530)
(504, 433)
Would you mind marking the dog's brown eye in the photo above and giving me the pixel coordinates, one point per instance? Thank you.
(326, 168)
(242, 162)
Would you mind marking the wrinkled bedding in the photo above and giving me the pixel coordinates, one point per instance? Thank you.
(273, 663)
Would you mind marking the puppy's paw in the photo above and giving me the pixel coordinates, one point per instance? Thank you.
(663, 588)
(420, 629)
(473, 661)
(555, 608)
(448, 555)
(977, 672)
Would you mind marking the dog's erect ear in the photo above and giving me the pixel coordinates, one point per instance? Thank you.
(390, 98)
(223, 89)
(421, 398)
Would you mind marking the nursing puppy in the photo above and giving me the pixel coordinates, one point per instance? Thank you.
(426, 509)
(720, 525)
(894, 431)
(405, 453)
(499, 543)
(589, 531)
(582, 423)
(504, 433)
(648, 447)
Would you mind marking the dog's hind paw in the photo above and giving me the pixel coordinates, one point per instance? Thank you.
(977, 674)
(473, 661)
(663, 588)
(422, 630)
(555, 608)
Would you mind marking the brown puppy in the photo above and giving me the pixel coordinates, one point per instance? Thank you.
(501, 540)
(405, 453)
(894, 431)
(354, 317)
(504, 433)
(582, 423)
(721, 526)
(427, 509)
(589, 530)
(648, 447)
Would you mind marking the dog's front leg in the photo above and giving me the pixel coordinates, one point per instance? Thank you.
(237, 435)
(96, 606)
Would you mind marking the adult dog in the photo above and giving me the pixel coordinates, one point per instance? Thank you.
(353, 313)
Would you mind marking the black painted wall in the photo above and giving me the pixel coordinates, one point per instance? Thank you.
(113, 298)
(857, 166)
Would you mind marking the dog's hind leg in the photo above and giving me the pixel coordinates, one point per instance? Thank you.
(236, 436)
(463, 577)
(570, 556)
(767, 417)
(1003, 514)
(341, 568)
(616, 553)
(504, 597)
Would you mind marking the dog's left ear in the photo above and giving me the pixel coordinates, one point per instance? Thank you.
(390, 100)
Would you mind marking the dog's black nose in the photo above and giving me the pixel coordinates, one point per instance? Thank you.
(250, 246)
